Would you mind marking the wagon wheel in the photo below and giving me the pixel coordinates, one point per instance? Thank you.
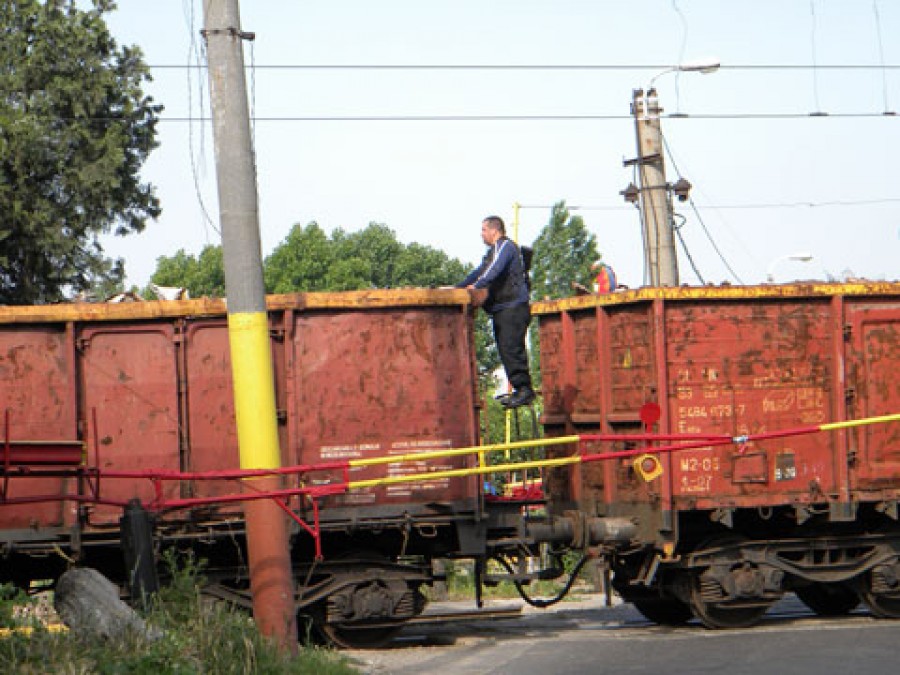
(364, 634)
(837, 599)
(664, 611)
(884, 605)
(359, 637)
(724, 613)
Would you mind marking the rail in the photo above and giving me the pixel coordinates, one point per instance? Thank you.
(314, 493)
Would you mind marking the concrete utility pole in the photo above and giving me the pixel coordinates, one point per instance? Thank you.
(251, 358)
(656, 207)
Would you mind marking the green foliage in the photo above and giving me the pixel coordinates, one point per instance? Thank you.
(563, 253)
(523, 424)
(203, 276)
(301, 262)
(11, 598)
(461, 581)
(198, 637)
(486, 354)
(75, 129)
(308, 260)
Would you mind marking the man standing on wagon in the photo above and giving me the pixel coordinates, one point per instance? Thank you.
(503, 273)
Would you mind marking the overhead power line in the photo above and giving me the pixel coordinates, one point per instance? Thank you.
(540, 118)
(768, 205)
(536, 66)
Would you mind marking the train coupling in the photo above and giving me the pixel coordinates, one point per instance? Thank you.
(577, 530)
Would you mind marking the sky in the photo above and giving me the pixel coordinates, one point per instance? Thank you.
(770, 180)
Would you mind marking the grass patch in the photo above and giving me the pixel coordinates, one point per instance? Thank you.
(198, 637)
(460, 584)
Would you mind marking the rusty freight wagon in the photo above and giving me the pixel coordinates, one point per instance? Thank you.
(146, 387)
(724, 530)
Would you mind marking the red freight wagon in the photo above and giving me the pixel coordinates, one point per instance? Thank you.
(147, 386)
(725, 530)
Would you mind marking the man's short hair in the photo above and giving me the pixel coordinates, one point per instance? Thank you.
(495, 223)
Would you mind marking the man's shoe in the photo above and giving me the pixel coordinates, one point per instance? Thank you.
(519, 397)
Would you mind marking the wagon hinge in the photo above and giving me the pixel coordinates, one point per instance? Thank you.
(277, 334)
(850, 394)
(848, 332)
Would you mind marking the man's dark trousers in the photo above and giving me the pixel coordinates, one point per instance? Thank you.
(510, 326)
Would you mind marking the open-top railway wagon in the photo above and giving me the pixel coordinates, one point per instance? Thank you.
(765, 486)
(89, 392)
(723, 529)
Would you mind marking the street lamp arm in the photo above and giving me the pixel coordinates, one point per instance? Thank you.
(704, 66)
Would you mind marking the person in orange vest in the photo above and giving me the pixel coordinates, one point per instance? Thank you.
(605, 279)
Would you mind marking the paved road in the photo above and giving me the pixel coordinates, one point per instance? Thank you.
(586, 637)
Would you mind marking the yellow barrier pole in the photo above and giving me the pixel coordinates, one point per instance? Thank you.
(455, 452)
(861, 422)
(455, 473)
(516, 207)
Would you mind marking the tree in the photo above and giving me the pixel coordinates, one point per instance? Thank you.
(301, 262)
(75, 128)
(563, 253)
(202, 276)
(307, 260)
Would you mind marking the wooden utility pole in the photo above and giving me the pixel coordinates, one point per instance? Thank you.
(660, 259)
(248, 330)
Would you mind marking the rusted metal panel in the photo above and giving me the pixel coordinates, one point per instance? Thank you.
(632, 375)
(752, 367)
(212, 431)
(129, 385)
(148, 386)
(37, 394)
(737, 361)
(212, 307)
(553, 384)
(384, 382)
(873, 389)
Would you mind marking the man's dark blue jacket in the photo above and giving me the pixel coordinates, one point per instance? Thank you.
(502, 272)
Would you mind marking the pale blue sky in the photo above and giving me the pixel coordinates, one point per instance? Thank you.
(433, 181)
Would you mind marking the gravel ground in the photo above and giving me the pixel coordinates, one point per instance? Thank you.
(436, 648)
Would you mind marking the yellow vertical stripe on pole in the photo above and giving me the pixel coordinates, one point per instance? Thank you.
(516, 207)
(254, 398)
(508, 438)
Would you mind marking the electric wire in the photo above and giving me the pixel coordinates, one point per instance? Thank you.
(196, 54)
(253, 99)
(526, 118)
(253, 155)
(815, 73)
(684, 247)
(539, 66)
(712, 241)
(767, 205)
(681, 51)
(880, 42)
(700, 217)
(645, 246)
(538, 602)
